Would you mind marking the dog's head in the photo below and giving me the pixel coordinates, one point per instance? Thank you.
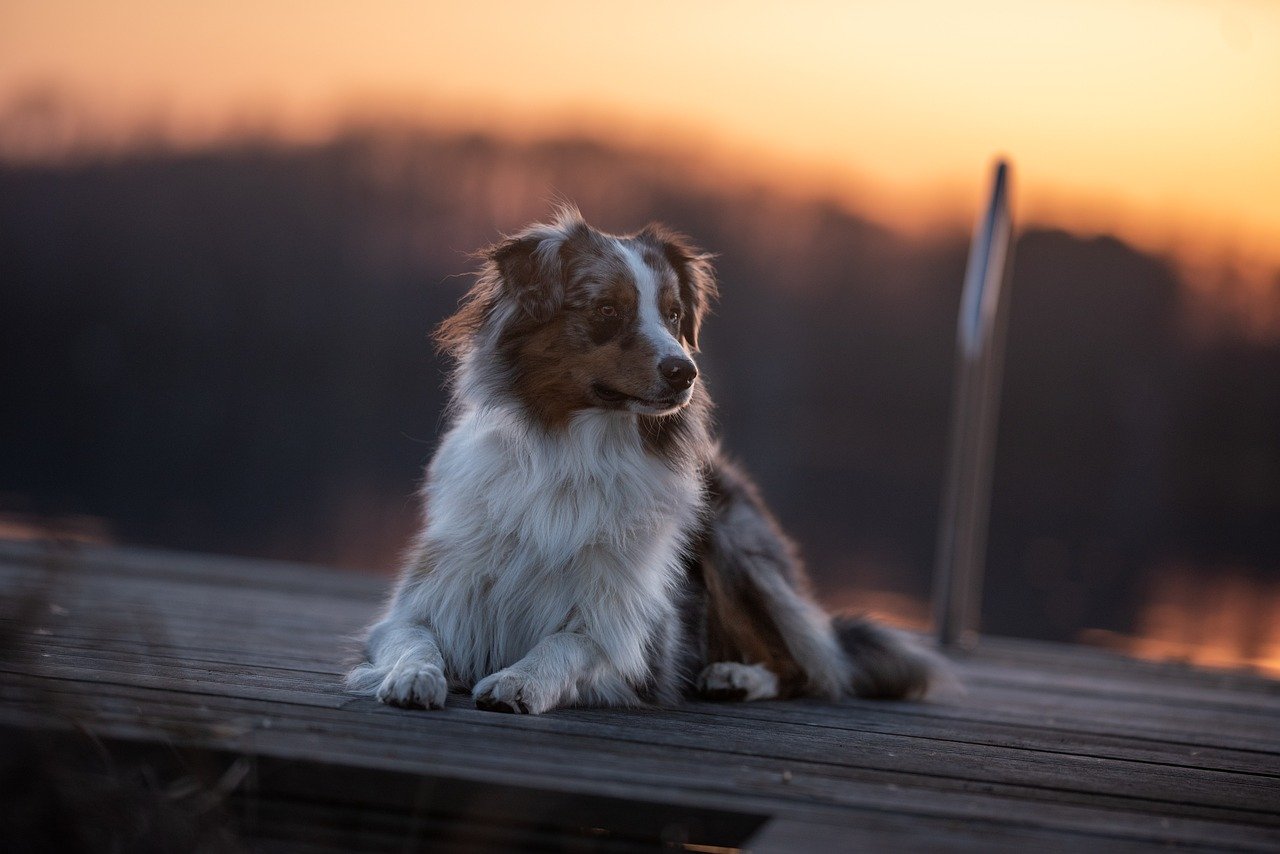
(578, 319)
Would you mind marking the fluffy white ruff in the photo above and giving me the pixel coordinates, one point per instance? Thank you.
(548, 563)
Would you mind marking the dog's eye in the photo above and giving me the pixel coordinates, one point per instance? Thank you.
(674, 315)
(607, 309)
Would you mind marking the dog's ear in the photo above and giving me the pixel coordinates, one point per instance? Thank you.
(697, 278)
(530, 270)
(531, 266)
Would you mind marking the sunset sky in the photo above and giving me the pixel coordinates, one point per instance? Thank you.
(1159, 119)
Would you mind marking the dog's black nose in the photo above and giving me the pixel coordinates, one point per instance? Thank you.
(678, 371)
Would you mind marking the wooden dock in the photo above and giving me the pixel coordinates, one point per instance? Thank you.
(206, 692)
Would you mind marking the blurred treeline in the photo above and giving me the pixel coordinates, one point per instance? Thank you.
(227, 350)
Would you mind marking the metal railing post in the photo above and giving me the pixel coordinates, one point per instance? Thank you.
(975, 408)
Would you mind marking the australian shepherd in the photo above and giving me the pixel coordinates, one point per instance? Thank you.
(585, 541)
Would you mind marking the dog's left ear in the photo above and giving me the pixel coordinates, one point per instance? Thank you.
(697, 278)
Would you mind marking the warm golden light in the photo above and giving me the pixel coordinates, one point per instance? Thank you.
(1224, 619)
(1157, 120)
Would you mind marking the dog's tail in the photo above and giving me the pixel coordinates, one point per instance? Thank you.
(886, 664)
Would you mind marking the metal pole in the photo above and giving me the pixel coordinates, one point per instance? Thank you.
(975, 407)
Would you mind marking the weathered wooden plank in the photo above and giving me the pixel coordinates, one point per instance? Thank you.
(787, 836)
(1048, 657)
(868, 757)
(301, 580)
(1154, 716)
(1085, 684)
(239, 609)
(200, 569)
(750, 785)
(272, 643)
(351, 808)
(1041, 713)
(338, 808)
(850, 722)
(246, 609)
(298, 579)
(1054, 713)
(851, 717)
(327, 653)
(1050, 747)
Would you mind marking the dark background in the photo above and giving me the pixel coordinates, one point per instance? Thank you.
(227, 350)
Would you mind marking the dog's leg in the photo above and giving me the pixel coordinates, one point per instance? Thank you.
(403, 667)
(545, 678)
(803, 627)
(750, 564)
(756, 583)
(732, 680)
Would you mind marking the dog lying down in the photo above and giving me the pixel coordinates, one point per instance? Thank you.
(585, 541)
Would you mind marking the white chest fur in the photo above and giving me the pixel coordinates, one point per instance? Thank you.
(530, 533)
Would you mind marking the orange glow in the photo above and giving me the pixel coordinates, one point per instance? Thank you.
(87, 530)
(1212, 620)
(1154, 119)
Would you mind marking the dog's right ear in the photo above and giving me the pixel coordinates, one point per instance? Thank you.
(524, 269)
(531, 265)
(529, 268)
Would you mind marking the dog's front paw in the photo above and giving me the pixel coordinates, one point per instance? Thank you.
(512, 691)
(414, 685)
(732, 680)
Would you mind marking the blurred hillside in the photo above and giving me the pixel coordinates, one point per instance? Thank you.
(227, 350)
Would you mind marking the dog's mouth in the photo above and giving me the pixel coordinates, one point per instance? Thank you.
(621, 400)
